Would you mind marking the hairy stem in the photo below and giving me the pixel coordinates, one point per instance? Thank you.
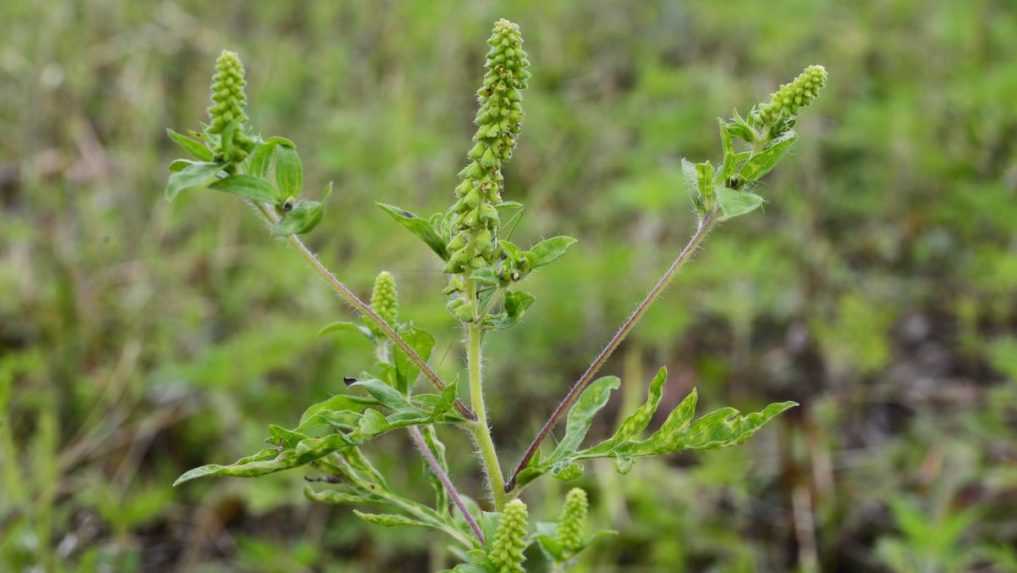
(705, 224)
(481, 431)
(351, 298)
(446, 481)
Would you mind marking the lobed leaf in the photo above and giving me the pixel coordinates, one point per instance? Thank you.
(340, 496)
(718, 429)
(580, 416)
(390, 519)
(633, 426)
(271, 461)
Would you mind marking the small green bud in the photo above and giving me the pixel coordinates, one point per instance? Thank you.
(791, 97)
(385, 299)
(572, 523)
(228, 111)
(510, 539)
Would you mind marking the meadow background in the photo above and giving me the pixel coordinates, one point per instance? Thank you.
(878, 287)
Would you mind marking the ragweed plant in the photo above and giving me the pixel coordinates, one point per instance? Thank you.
(484, 294)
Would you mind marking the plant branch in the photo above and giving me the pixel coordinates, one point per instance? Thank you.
(703, 228)
(481, 430)
(351, 298)
(446, 481)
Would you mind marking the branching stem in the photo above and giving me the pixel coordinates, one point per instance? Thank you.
(446, 481)
(351, 298)
(705, 224)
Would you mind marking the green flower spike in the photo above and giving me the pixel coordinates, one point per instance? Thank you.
(385, 299)
(475, 219)
(510, 539)
(791, 97)
(228, 112)
(572, 523)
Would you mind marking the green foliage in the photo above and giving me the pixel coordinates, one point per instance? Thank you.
(720, 428)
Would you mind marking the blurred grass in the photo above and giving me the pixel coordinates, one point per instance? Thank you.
(138, 338)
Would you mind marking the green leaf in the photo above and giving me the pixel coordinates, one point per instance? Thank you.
(194, 176)
(736, 203)
(718, 429)
(633, 426)
(423, 229)
(191, 145)
(516, 303)
(445, 400)
(383, 393)
(678, 420)
(302, 218)
(316, 417)
(260, 158)
(344, 328)
(549, 250)
(406, 370)
(340, 496)
(271, 461)
(580, 417)
(761, 163)
(390, 519)
(289, 173)
(248, 186)
(704, 182)
(372, 422)
(567, 470)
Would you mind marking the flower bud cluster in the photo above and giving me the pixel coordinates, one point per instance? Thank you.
(228, 112)
(509, 544)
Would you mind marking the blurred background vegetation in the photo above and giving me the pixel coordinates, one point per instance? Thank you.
(878, 288)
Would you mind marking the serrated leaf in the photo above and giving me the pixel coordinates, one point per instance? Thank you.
(289, 172)
(759, 164)
(406, 371)
(191, 145)
(390, 519)
(343, 328)
(633, 426)
(422, 228)
(194, 176)
(271, 461)
(302, 218)
(248, 186)
(734, 203)
(580, 416)
(549, 250)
